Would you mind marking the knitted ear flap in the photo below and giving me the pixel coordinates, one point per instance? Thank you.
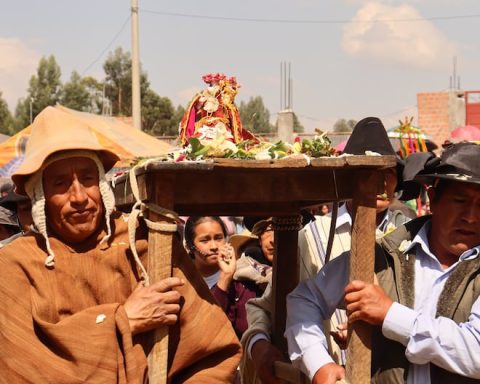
(34, 189)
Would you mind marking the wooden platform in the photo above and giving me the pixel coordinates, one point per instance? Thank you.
(278, 188)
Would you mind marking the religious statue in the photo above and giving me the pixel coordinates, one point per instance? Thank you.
(213, 112)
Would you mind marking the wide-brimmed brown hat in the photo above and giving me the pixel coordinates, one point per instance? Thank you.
(56, 131)
(239, 240)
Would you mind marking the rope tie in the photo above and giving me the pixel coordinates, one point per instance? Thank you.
(287, 223)
(138, 210)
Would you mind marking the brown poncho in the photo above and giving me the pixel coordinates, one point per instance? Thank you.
(68, 325)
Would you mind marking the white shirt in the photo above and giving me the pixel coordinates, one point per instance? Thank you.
(455, 347)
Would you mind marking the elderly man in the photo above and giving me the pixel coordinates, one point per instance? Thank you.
(71, 306)
(368, 135)
(425, 310)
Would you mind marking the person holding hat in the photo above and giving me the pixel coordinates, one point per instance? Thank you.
(73, 305)
(369, 135)
(425, 309)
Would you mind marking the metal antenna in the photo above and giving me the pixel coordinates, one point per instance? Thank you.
(286, 86)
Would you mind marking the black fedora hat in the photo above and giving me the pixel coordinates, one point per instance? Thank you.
(458, 162)
(415, 163)
(10, 200)
(369, 134)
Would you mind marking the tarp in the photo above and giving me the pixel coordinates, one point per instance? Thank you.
(3, 137)
(115, 135)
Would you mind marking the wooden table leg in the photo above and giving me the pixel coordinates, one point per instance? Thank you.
(160, 267)
(362, 268)
(285, 272)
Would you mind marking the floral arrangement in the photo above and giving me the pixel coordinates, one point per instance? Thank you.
(217, 144)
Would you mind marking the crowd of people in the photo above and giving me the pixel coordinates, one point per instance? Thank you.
(76, 308)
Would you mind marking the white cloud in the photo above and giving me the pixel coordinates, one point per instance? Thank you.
(18, 63)
(416, 43)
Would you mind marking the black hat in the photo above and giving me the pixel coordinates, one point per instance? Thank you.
(414, 163)
(458, 162)
(11, 199)
(369, 134)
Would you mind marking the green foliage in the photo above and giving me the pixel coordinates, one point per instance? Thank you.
(297, 126)
(44, 90)
(255, 116)
(75, 94)
(6, 121)
(118, 82)
(157, 114)
(343, 125)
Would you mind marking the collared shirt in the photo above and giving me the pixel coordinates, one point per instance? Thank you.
(427, 339)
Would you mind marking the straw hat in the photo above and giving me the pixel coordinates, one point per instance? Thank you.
(53, 131)
(239, 240)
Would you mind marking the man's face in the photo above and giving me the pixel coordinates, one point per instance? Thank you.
(456, 218)
(390, 183)
(267, 240)
(73, 202)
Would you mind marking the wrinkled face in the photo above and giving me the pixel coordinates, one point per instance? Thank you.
(390, 183)
(73, 202)
(267, 243)
(208, 237)
(456, 218)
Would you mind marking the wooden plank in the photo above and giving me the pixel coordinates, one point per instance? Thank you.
(159, 267)
(362, 258)
(285, 272)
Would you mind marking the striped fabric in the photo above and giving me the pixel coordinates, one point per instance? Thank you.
(67, 324)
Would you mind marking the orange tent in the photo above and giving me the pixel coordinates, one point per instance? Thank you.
(115, 135)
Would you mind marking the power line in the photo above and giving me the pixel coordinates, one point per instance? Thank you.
(308, 21)
(108, 46)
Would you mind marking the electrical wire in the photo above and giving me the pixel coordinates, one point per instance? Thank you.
(108, 46)
(308, 21)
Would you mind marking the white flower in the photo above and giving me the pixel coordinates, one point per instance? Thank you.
(211, 104)
(207, 132)
(404, 245)
(263, 155)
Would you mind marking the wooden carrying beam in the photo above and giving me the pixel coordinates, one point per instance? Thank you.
(159, 268)
(362, 268)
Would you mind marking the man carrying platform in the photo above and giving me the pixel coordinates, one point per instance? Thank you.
(72, 305)
(425, 308)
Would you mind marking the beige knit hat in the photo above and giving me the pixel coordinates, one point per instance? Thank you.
(53, 131)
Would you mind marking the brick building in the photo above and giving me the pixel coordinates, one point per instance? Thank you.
(439, 113)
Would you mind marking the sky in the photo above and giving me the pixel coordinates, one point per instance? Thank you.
(349, 58)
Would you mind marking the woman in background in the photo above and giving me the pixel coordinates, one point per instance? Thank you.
(206, 241)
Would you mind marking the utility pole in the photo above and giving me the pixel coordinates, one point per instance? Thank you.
(136, 106)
